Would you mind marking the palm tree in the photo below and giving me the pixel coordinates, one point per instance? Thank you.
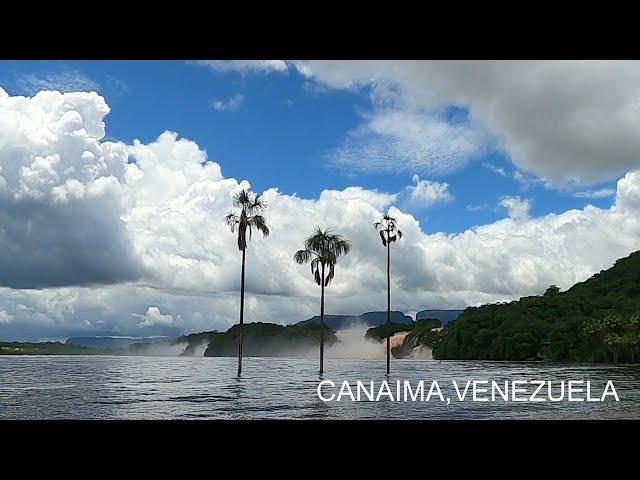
(389, 233)
(322, 249)
(248, 218)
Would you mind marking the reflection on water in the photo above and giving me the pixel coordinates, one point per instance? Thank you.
(37, 387)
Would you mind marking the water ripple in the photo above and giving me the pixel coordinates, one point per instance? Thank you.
(110, 387)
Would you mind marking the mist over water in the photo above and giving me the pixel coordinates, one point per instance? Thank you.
(200, 349)
(353, 344)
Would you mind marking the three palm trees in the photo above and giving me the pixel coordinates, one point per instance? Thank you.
(389, 233)
(322, 249)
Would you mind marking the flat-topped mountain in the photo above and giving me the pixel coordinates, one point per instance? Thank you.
(371, 319)
(111, 342)
(445, 316)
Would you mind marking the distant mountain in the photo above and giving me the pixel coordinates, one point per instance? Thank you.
(445, 316)
(371, 319)
(111, 342)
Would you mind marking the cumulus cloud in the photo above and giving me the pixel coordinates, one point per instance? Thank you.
(231, 104)
(517, 208)
(61, 193)
(427, 192)
(154, 317)
(565, 121)
(153, 211)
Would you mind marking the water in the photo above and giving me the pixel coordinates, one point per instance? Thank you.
(104, 387)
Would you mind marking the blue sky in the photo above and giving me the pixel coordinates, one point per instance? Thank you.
(125, 237)
(282, 132)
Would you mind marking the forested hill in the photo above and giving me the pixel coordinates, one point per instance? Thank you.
(551, 326)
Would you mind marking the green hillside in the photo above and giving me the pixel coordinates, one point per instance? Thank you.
(552, 326)
(269, 340)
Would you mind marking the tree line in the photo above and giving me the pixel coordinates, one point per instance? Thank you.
(597, 320)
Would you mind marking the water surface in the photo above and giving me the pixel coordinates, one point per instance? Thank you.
(116, 387)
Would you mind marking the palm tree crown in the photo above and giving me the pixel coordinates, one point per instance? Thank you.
(250, 216)
(389, 232)
(323, 249)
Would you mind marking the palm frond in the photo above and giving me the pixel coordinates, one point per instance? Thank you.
(258, 203)
(231, 219)
(324, 247)
(242, 199)
(384, 240)
(302, 256)
(330, 275)
(261, 224)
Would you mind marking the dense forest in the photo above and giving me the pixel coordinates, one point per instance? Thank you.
(594, 321)
(268, 339)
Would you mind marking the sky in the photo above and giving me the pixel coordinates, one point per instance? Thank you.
(506, 177)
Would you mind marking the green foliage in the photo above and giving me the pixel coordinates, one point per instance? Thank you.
(552, 290)
(47, 348)
(248, 217)
(615, 331)
(584, 323)
(266, 340)
(322, 250)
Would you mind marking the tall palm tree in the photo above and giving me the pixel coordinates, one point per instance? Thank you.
(389, 233)
(245, 220)
(322, 249)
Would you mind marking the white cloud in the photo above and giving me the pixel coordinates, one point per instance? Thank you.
(517, 208)
(154, 317)
(5, 318)
(397, 141)
(231, 104)
(566, 121)
(245, 66)
(495, 169)
(476, 208)
(600, 193)
(66, 81)
(427, 192)
(159, 205)
(58, 173)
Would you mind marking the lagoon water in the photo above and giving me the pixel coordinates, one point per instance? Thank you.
(118, 387)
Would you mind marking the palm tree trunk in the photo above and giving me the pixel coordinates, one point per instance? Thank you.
(388, 305)
(241, 313)
(322, 322)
